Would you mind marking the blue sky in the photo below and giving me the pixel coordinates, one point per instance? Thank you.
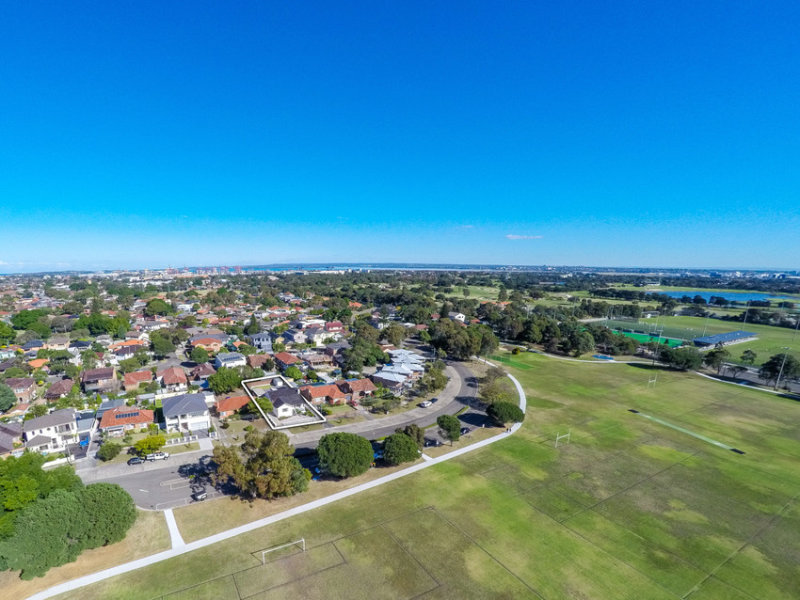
(154, 134)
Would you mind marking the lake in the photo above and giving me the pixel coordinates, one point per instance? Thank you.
(729, 295)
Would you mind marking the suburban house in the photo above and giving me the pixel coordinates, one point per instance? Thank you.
(108, 405)
(286, 402)
(173, 379)
(99, 380)
(132, 381)
(33, 346)
(230, 360)
(334, 327)
(358, 388)
(285, 360)
(317, 360)
(202, 371)
(257, 361)
(124, 418)
(186, 413)
(457, 316)
(51, 433)
(209, 344)
(294, 336)
(391, 381)
(10, 438)
(262, 341)
(58, 342)
(228, 406)
(59, 389)
(322, 393)
(24, 388)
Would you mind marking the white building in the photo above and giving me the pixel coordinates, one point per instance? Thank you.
(51, 433)
(187, 413)
(230, 360)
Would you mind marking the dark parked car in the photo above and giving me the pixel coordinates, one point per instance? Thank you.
(465, 430)
(136, 460)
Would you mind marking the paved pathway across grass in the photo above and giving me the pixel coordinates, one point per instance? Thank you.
(213, 539)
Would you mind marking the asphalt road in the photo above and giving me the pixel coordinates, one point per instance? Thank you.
(160, 484)
(170, 483)
(465, 395)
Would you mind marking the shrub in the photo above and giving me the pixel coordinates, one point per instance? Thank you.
(505, 412)
(109, 450)
(399, 448)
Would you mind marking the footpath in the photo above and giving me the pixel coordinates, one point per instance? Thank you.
(179, 547)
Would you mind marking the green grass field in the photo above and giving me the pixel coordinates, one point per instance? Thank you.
(771, 340)
(630, 509)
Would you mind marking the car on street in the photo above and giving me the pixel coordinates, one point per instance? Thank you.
(425, 404)
(136, 460)
(158, 456)
(434, 400)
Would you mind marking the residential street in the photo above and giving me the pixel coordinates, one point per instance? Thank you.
(461, 391)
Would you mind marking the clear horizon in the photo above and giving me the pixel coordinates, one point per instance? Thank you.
(604, 134)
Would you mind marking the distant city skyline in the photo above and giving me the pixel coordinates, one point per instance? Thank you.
(155, 135)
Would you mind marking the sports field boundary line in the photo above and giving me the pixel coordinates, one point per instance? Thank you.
(133, 565)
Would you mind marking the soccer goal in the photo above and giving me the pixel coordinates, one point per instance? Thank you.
(301, 542)
(563, 436)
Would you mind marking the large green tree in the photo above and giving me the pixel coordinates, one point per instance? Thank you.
(264, 466)
(505, 412)
(344, 454)
(399, 448)
(783, 365)
(7, 397)
(450, 426)
(225, 380)
(156, 306)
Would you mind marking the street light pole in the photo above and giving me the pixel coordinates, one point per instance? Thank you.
(780, 372)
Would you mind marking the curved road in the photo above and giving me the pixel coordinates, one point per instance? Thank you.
(461, 391)
(179, 548)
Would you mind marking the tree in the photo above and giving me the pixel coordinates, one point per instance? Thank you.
(199, 355)
(399, 448)
(344, 454)
(109, 450)
(716, 358)
(7, 333)
(684, 358)
(394, 334)
(161, 344)
(7, 397)
(415, 432)
(156, 306)
(505, 412)
(749, 357)
(264, 466)
(224, 380)
(252, 327)
(497, 390)
(781, 365)
(110, 513)
(150, 444)
(54, 530)
(450, 426)
(294, 373)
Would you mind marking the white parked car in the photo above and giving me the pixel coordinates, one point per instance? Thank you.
(158, 456)
(425, 404)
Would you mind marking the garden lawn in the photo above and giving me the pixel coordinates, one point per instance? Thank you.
(629, 509)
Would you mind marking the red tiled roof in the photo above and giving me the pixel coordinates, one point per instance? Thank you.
(286, 358)
(361, 385)
(126, 415)
(231, 404)
(323, 391)
(138, 377)
(173, 376)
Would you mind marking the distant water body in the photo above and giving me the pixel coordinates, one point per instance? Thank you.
(730, 296)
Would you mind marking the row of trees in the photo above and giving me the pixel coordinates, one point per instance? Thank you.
(48, 517)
